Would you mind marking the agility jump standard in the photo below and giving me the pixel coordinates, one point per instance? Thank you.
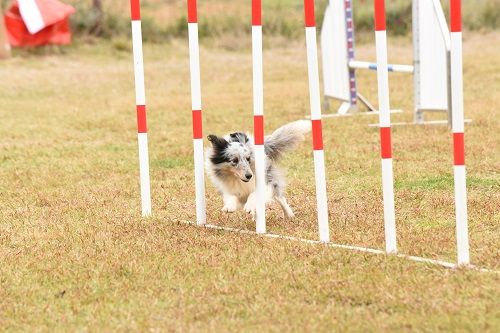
(430, 69)
(140, 101)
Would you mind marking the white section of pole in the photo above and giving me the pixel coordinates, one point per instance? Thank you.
(140, 94)
(260, 189)
(461, 215)
(257, 70)
(389, 212)
(199, 178)
(312, 70)
(142, 139)
(194, 66)
(321, 195)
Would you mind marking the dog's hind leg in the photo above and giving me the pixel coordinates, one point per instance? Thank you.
(277, 186)
(287, 211)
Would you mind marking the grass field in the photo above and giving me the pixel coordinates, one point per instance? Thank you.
(77, 256)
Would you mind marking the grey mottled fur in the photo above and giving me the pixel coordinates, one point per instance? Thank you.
(235, 181)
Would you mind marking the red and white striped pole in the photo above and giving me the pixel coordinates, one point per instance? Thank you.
(315, 105)
(457, 109)
(194, 67)
(258, 117)
(385, 127)
(140, 101)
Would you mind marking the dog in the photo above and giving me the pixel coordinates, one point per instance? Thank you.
(230, 164)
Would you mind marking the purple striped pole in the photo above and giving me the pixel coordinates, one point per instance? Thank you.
(140, 101)
(315, 104)
(350, 51)
(385, 127)
(258, 118)
(457, 109)
(194, 68)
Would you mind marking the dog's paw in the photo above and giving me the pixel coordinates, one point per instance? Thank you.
(229, 209)
(250, 208)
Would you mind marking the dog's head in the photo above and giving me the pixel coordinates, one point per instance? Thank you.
(234, 154)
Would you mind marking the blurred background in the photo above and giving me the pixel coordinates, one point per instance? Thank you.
(165, 19)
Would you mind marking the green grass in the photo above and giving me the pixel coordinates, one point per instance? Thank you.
(445, 182)
(77, 256)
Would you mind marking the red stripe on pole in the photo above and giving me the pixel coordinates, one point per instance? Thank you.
(379, 15)
(317, 133)
(458, 149)
(135, 9)
(192, 11)
(455, 15)
(385, 142)
(258, 129)
(309, 13)
(256, 12)
(141, 119)
(197, 125)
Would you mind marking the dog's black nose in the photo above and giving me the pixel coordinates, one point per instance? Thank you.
(248, 176)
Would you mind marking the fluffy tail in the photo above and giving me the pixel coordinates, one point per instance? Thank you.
(285, 138)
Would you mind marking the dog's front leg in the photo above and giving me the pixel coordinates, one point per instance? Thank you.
(250, 205)
(230, 203)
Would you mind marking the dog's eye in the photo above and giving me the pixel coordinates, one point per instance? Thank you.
(235, 161)
(248, 158)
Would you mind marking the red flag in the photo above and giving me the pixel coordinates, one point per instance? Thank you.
(38, 22)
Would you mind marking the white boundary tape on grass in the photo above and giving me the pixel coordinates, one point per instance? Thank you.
(434, 262)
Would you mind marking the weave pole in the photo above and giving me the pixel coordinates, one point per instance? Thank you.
(194, 69)
(140, 101)
(457, 109)
(385, 127)
(315, 105)
(258, 117)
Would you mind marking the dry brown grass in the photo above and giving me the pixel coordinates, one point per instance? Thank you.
(76, 255)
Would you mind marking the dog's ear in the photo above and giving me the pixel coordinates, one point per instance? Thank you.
(217, 142)
(239, 137)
